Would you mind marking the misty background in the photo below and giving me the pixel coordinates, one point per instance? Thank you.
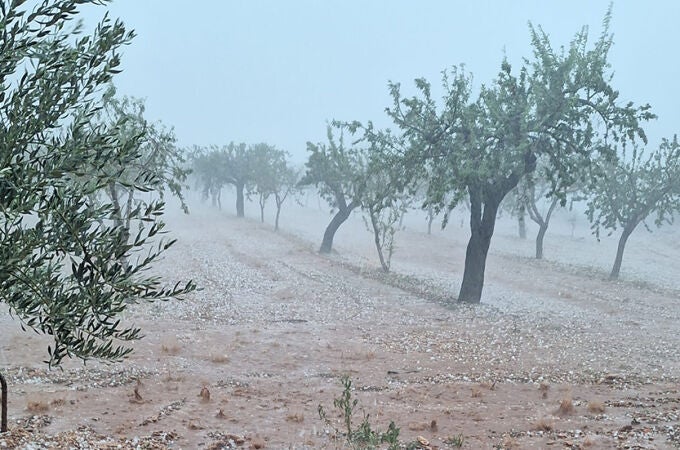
(275, 72)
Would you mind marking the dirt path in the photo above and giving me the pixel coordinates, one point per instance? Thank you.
(277, 325)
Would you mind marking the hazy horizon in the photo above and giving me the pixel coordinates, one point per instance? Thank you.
(276, 72)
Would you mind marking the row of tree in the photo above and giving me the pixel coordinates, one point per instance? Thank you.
(77, 236)
(259, 170)
(553, 128)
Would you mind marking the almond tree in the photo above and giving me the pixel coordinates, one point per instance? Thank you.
(237, 171)
(60, 270)
(383, 203)
(264, 160)
(216, 167)
(287, 179)
(339, 173)
(560, 105)
(633, 187)
(207, 173)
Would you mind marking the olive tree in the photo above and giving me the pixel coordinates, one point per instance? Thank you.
(633, 187)
(60, 270)
(482, 148)
(160, 163)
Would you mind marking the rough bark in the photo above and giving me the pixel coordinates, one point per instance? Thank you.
(484, 203)
(482, 223)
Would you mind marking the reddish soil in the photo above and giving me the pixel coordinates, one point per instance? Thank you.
(246, 361)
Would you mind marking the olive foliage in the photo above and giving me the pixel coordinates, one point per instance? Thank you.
(60, 251)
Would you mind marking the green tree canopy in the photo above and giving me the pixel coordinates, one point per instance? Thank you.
(560, 106)
(339, 173)
(631, 188)
(60, 270)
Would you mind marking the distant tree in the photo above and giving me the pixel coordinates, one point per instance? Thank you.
(534, 195)
(216, 167)
(515, 204)
(631, 188)
(60, 270)
(339, 173)
(560, 105)
(208, 170)
(529, 197)
(161, 164)
(238, 171)
(264, 161)
(383, 202)
(286, 186)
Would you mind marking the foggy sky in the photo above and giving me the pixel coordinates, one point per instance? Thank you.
(275, 71)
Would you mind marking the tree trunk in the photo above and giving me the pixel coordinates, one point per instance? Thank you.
(262, 204)
(539, 240)
(240, 212)
(535, 215)
(475, 265)
(430, 219)
(627, 230)
(482, 225)
(329, 234)
(3, 411)
(219, 199)
(278, 213)
(376, 238)
(521, 222)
